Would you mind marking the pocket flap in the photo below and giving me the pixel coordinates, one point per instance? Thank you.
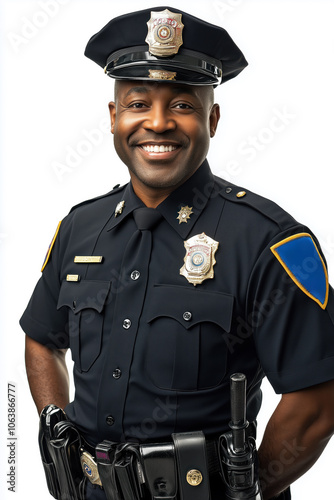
(83, 294)
(190, 307)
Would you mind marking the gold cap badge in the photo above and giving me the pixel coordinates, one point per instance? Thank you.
(199, 259)
(164, 35)
(159, 74)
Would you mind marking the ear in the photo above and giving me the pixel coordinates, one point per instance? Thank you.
(112, 111)
(214, 119)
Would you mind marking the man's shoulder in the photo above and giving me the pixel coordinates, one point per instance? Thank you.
(254, 204)
(92, 213)
(98, 201)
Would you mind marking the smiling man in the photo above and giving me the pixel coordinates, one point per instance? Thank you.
(166, 287)
(162, 134)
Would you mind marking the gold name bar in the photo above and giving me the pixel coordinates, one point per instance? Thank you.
(72, 277)
(88, 259)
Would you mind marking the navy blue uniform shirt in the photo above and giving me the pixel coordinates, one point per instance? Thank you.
(152, 352)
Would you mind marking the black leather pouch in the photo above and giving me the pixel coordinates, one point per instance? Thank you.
(105, 453)
(126, 473)
(160, 471)
(192, 465)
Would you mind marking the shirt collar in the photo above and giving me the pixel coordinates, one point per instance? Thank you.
(194, 193)
(130, 201)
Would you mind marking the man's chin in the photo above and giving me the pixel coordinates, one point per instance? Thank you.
(160, 184)
(159, 179)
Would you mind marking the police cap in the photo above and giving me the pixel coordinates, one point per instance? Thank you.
(166, 44)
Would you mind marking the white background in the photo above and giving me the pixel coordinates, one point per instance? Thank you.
(53, 100)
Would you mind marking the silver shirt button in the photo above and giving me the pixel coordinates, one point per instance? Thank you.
(110, 420)
(117, 373)
(135, 275)
(187, 316)
(126, 324)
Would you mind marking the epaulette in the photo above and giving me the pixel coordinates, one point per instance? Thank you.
(114, 190)
(266, 207)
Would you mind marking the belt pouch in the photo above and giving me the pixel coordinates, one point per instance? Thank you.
(127, 477)
(190, 450)
(160, 470)
(105, 452)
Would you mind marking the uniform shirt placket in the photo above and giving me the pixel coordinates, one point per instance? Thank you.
(128, 308)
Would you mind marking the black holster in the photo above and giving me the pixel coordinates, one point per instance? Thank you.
(59, 444)
(238, 455)
(239, 470)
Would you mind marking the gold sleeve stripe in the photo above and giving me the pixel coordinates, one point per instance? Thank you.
(50, 247)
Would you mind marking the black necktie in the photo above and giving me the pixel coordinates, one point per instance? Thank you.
(137, 252)
(146, 218)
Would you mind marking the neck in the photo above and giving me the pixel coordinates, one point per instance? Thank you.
(151, 197)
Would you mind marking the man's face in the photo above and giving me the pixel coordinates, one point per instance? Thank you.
(162, 131)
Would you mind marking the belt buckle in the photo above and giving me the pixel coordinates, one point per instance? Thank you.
(89, 467)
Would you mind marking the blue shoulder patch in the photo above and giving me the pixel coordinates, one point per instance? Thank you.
(301, 259)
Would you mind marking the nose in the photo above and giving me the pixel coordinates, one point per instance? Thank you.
(159, 119)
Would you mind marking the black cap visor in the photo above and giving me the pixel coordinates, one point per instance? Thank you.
(187, 67)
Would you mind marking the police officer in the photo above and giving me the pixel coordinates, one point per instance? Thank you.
(166, 286)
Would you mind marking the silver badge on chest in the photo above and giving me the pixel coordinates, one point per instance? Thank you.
(199, 259)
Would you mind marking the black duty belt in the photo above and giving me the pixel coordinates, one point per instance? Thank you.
(175, 470)
(156, 470)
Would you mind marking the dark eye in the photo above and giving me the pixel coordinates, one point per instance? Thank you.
(137, 105)
(183, 105)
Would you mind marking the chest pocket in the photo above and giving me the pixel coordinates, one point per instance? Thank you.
(85, 301)
(186, 348)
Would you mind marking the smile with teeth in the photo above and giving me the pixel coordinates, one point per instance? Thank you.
(155, 148)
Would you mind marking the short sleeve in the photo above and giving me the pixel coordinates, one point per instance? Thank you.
(293, 331)
(41, 320)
